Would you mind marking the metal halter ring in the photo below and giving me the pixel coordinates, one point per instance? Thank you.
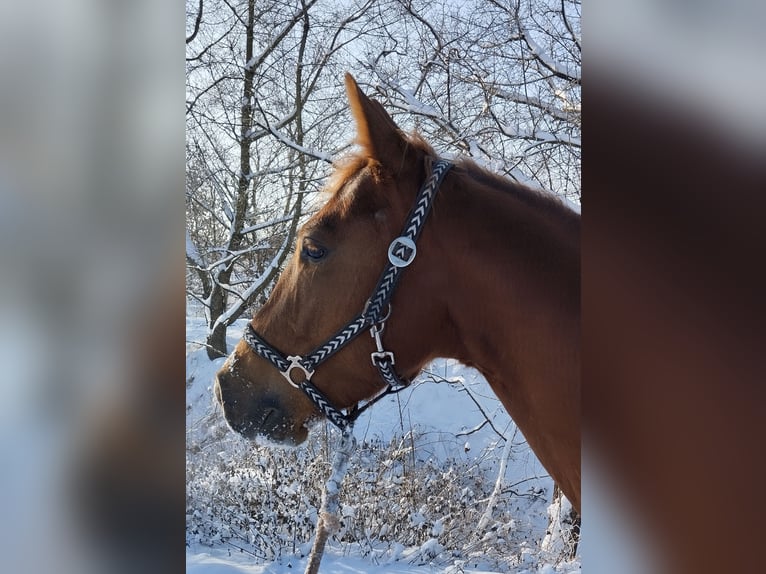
(295, 363)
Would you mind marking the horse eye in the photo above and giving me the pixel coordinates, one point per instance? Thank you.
(314, 252)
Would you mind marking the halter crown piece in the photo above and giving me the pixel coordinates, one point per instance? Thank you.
(401, 252)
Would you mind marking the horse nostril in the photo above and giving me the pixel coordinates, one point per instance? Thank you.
(267, 414)
(251, 412)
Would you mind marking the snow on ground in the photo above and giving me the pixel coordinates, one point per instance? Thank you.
(224, 563)
(449, 418)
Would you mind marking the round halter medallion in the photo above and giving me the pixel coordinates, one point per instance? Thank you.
(402, 251)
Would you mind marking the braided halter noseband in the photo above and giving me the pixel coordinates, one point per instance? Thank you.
(401, 252)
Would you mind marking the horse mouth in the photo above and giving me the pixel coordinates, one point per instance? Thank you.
(258, 418)
(271, 428)
(282, 435)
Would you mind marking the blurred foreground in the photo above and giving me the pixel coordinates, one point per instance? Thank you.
(91, 345)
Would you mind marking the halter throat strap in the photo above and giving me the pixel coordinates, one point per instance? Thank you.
(298, 370)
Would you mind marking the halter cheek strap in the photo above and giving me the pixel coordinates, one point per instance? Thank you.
(298, 370)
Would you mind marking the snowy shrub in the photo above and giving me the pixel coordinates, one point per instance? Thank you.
(258, 500)
(462, 497)
(394, 505)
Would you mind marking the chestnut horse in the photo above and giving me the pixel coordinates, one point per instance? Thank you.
(495, 284)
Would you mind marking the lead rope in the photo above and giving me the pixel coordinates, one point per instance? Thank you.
(328, 522)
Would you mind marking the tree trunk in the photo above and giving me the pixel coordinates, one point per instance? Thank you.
(216, 339)
(216, 342)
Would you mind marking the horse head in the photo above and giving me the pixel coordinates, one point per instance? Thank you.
(337, 262)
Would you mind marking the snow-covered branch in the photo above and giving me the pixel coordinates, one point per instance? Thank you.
(499, 481)
(565, 114)
(229, 257)
(316, 154)
(266, 224)
(265, 277)
(559, 69)
(541, 136)
(192, 254)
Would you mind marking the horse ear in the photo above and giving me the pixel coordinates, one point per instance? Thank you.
(377, 133)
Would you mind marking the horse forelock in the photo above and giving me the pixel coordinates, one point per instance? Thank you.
(351, 166)
(342, 192)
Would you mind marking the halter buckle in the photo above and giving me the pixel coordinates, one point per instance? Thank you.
(295, 363)
(381, 353)
(379, 356)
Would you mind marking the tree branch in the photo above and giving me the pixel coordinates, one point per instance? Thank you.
(575, 39)
(555, 68)
(197, 21)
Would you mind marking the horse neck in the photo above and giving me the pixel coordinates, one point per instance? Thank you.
(514, 260)
(518, 248)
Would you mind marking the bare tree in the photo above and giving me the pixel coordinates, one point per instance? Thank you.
(250, 173)
(499, 81)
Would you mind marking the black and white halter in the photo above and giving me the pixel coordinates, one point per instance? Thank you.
(401, 252)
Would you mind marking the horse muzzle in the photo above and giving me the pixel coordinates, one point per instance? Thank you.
(255, 415)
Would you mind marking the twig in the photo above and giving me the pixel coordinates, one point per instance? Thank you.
(487, 515)
(329, 521)
(190, 342)
(246, 551)
(476, 429)
(439, 379)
